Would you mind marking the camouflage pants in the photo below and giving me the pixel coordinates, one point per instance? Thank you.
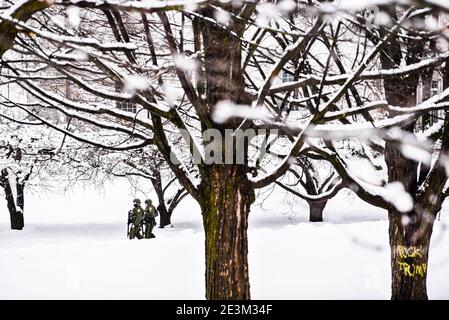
(149, 226)
(135, 232)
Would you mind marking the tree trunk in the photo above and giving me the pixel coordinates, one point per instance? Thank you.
(21, 197)
(17, 221)
(409, 260)
(409, 243)
(164, 216)
(226, 201)
(427, 78)
(16, 216)
(316, 211)
(226, 194)
(409, 232)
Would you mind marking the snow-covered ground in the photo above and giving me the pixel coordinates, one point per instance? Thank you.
(74, 246)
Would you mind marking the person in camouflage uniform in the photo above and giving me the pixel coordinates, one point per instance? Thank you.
(137, 217)
(149, 220)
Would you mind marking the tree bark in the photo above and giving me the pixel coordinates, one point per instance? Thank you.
(21, 197)
(164, 216)
(316, 210)
(427, 78)
(17, 221)
(409, 260)
(225, 207)
(409, 246)
(165, 209)
(410, 233)
(16, 216)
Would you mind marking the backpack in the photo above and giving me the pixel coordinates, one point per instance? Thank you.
(151, 212)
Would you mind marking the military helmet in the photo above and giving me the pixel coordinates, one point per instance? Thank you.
(148, 201)
(137, 201)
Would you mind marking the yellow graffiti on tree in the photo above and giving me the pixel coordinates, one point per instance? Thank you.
(411, 270)
(410, 252)
(411, 267)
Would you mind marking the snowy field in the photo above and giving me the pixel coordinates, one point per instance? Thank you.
(74, 246)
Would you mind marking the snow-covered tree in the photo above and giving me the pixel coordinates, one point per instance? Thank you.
(25, 153)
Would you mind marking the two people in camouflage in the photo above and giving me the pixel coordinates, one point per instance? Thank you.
(142, 221)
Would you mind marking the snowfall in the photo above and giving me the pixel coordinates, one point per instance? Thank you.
(74, 246)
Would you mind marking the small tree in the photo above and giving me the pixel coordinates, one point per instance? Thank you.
(24, 153)
(316, 189)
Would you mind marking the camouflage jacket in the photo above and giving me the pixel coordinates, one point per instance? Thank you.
(150, 211)
(137, 215)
